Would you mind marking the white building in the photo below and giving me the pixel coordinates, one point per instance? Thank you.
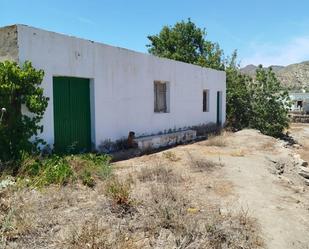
(99, 92)
(300, 101)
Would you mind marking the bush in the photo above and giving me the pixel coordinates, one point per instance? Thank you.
(270, 104)
(119, 193)
(218, 141)
(100, 164)
(61, 170)
(160, 173)
(19, 87)
(259, 103)
(53, 170)
(238, 97)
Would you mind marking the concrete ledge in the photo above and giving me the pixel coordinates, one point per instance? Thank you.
(164, 140)
(299, 118)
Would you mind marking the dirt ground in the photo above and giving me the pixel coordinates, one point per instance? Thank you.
(245, 175)
(249, 179)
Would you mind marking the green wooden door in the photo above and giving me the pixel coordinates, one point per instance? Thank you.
(71, 114)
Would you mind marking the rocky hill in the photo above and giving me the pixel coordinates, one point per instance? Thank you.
(294, 76)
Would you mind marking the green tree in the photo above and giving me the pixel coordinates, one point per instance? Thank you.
(238, 96)
(270, 103)
(20, 94)
(187, 43)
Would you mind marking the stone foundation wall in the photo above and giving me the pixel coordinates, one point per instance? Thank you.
(300, 118)
(165, 140)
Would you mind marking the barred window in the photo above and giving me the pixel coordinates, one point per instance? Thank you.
(160, 97)
(206, 101)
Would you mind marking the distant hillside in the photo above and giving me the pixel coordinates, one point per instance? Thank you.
(295, 76)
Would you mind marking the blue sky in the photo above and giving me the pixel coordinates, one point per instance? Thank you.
(267, 32)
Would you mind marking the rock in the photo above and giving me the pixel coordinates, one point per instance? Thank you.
(304, 163)
(304, 172)
(296, 146)
(306, 182)
(280, 167)
(9, 181)
(285, 179)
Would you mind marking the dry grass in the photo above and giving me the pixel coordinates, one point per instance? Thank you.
(165, 218)
(223, 188)
(170, 218)
(90, 236)
(203, 164)
(151, 209)
(171, 156)
(16, 217)
(238, 153)
(119, 193)
(217, 141)
(159, 173)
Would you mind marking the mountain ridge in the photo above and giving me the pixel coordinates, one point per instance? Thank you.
(294, 76)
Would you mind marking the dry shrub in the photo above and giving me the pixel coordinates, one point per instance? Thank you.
(160, 173)
(92, 235)
(169, 221)
(223, 188)
(119, 192)
(238, 153)
(171, 156)
(16, 217)
(217, 141)
(167, 206)
(203, 164)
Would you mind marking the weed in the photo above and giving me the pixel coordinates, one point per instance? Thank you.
(6, 226)
(87, 179)
(159, 173)
(119, 193)
(173, 216)
(167, 207)
(98, 165)
(61, 170)
(201, 165)
(238, 153)
(218, 141)
(93, 235)
(90, 236)
(54, 170)
(171, 156)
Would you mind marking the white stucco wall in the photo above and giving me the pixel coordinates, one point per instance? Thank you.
(122, 81)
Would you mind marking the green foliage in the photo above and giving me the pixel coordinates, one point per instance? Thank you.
(19, 90)
(238, 96)
(52, 170)
(260, 104)
(186, 42)
(61, 170)
(87, 178)
(100, 164)
(270, 103)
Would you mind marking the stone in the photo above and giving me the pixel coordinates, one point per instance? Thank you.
(306, 182)
(304, 163)
(296, 146)
(9, 181)
(304, 172)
